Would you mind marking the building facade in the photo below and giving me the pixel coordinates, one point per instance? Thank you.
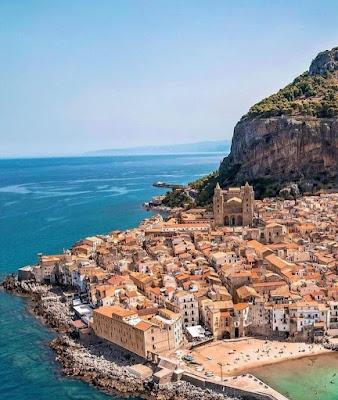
(186, 305)
(126, 329)
(234, 206)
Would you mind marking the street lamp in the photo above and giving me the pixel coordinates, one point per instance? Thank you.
(221, 365)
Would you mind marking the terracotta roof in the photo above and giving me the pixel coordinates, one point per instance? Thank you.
(155, 290)
(142, 325)
(277, 261)
(240, 306)
(108, 311)
(147, 311)
(246, 291)
(117, 279)
(225, 314)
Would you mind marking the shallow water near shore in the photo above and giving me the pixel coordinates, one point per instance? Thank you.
(27, 368)
(46, 205)
(307, 378)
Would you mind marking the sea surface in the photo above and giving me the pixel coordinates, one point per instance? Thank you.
(45, 206)
(48, 204)
(308, 378)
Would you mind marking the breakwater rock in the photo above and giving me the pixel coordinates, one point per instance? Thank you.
(46, 302)
(53, 311)
(77, 361)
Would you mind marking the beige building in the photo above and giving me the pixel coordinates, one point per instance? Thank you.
(186, 305)
(126, 329)
(274, 233)
(234, 206)
(227, 320)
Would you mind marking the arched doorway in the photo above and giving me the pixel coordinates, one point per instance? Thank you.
(226, 335)
(239, 220)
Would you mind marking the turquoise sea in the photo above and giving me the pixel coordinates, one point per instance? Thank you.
(45, 206)
(308, 378)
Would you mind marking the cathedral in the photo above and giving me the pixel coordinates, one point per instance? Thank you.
(234, 206)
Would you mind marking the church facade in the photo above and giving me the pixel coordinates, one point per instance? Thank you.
(234, 206)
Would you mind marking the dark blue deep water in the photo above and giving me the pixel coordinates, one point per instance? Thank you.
(45, 206)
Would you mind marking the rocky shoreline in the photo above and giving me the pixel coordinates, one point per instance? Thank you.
(100, 365)
(78, 362)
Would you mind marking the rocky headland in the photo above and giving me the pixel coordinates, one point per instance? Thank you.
(270, 152)
(290, 137)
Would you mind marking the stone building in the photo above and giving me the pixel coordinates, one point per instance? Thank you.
(126, 329)
(234, 206)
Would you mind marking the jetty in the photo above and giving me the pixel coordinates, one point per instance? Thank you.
(165, 185)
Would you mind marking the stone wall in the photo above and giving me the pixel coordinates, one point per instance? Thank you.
(226, 389)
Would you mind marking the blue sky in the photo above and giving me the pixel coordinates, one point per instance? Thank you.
(86, 75)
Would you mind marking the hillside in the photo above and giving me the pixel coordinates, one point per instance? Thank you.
(312, 95)
(291, 136)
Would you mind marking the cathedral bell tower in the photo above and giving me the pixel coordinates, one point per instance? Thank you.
(218, 205)
(248, 197)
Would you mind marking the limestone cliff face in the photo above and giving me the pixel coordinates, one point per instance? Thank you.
(283, 149)
(326, 61)
(291, 136)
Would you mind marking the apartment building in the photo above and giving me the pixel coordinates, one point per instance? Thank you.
(186, 305)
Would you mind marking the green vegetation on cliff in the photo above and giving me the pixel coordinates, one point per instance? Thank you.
(313, 95)
(177, 198)
(205, 187)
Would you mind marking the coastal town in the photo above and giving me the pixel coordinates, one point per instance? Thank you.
(206, 294)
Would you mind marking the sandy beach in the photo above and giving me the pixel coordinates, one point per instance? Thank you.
(238, 356)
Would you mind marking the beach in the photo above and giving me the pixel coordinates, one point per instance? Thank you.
(239, 356)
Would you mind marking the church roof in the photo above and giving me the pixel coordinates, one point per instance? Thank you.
(234, 199)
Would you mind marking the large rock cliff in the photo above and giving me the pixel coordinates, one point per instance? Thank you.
(269, 152)
(291, 136)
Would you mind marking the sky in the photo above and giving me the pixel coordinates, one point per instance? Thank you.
(82, 75)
